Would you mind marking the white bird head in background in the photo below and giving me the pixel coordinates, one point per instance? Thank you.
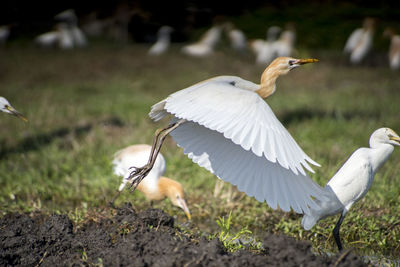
(384, 136)
(6, 107)
(280, 66)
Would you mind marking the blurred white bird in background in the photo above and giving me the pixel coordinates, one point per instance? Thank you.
(163, 41)
(394, 49)
(6, 107)
(206, 45)
(4, 33)
(155, 187)
(60, 38)
(360, 41)
(92, 26)
(69, 17)
(266, 51)
(236, 37)
(225, 126)
(353, 180)
(284, 46)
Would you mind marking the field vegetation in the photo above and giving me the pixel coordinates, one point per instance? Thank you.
(84, 105)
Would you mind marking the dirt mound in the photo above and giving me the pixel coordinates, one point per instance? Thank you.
(138, 239)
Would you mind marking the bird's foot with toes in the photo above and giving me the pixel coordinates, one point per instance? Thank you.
(137, 175)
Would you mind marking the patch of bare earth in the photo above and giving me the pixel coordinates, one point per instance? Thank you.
(147, 238)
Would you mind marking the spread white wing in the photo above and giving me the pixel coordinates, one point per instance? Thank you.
(233, 133)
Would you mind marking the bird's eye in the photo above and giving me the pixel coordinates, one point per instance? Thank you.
(178, 197)
(291, 62)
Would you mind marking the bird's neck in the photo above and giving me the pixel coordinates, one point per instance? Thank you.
(380, 155)
(268, 80)
(150, 187)
(167, 186)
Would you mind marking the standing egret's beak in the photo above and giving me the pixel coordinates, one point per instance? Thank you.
(305, 61)
(182, 205)
(14, 112)
(395, 138)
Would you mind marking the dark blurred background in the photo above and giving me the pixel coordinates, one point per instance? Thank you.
(318, 23)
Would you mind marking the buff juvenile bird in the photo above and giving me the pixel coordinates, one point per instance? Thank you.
(155, 187)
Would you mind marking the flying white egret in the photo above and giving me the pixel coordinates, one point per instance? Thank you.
(360, 41)
(225, 126)
(163, 41)
(6, 107)
(206, 45)
(155, 186)
(353, 180)
(394, 49)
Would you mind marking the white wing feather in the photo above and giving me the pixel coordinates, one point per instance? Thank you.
(256, 176)
(240, 115)
(234, 134)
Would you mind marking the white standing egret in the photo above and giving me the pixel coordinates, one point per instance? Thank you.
(353, 180)
(225, 126)
(360, 41)
(236, 37)
(394, 49)
(163, 41)
(206, 45)
(6, 107)
(155, 187)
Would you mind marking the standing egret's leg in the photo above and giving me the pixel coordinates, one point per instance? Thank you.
(336, 231)
(138, 174)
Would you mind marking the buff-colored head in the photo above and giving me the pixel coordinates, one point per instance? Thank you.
(280, 66)
(174, 191)
(384, 136)
(6, 107)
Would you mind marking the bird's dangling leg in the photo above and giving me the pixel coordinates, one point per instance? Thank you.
(138, 174)
(336, 232)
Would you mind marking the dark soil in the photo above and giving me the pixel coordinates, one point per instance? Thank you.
(148, 238)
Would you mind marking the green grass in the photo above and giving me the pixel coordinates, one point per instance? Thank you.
(86, 104)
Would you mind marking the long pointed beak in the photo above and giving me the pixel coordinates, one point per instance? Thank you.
(185, 208)
(16, 113)
(305, 61)
(395, 138)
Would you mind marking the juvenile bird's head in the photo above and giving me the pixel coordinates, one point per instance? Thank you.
(174, 191)
(6, 107)
(280, 66)
(384, 136)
